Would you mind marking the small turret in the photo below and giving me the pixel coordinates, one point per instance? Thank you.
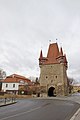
(65, 60)
(42, 59)
(41, 55)
(61, 51)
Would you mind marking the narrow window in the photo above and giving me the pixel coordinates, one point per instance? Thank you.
(51, 81)
(13, 85)
(6, 85)
(46, 77)
(56, 76)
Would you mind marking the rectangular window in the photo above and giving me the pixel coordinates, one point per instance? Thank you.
(13, 85)
(6, 85)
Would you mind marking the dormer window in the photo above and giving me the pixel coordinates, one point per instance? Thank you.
(21, 81)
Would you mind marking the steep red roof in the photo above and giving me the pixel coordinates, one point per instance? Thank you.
(41, 55)
(54, 56)
(53, 51)
(61, 52)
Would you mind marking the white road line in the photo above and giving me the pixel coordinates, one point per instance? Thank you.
(20, 113)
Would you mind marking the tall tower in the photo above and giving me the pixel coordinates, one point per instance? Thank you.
(53, 75)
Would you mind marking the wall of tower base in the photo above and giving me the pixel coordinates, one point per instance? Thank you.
(53, 72)
(54, 76)
(56, 92)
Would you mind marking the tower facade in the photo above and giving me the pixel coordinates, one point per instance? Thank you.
(53, 71)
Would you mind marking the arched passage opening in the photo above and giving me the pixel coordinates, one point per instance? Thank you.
(51, 91)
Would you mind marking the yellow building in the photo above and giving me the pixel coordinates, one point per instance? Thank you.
(75, 88)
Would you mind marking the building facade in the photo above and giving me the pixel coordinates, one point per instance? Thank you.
(53, 71)
(15, 83)
(75, 88)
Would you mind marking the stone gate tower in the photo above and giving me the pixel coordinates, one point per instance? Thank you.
(53, 75)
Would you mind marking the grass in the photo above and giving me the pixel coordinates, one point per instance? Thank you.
(15, 96)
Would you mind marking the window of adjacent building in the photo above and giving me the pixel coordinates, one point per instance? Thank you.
(6, 85)
(13, 85)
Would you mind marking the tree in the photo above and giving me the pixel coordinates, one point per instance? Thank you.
(2, 74)
(71, 80)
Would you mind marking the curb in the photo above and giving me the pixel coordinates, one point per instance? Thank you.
(75, 115)
(7, 104)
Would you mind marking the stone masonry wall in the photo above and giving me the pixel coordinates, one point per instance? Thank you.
(54, 76)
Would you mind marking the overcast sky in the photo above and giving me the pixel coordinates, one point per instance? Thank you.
(26, 26)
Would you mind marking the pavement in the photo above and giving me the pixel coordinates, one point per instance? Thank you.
(74, 98)
(4, 102)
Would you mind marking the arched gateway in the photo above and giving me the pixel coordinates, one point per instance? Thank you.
(51, 92)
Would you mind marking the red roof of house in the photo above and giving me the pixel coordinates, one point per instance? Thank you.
(16, 79)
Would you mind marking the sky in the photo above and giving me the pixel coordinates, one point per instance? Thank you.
(27, 26)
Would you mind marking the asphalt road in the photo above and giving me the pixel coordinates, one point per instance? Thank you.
(39, 109)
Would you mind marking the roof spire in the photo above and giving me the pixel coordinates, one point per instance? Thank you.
(65, 60)
(49, 41)
(61, 51)
(41, 55)
(56, 39)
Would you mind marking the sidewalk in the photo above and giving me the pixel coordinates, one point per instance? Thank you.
(76, 99)
(5, 102)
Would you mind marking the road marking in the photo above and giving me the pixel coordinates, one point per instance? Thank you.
(20, 113)
(75, 115)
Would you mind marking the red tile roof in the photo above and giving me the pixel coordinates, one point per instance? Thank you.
(16, 79)
(53, 51)
(54, 56)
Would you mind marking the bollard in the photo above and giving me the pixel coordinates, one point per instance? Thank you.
(5, 100)
(12, 99)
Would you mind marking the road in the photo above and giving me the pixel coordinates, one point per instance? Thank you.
(39, 109)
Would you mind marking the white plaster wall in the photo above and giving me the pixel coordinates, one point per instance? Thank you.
(10, 86)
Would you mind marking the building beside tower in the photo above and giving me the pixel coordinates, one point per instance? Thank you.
(53, 71)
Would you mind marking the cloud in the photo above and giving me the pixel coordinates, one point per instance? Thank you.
(27, 26)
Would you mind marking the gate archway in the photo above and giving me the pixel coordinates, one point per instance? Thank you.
(51, 91)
